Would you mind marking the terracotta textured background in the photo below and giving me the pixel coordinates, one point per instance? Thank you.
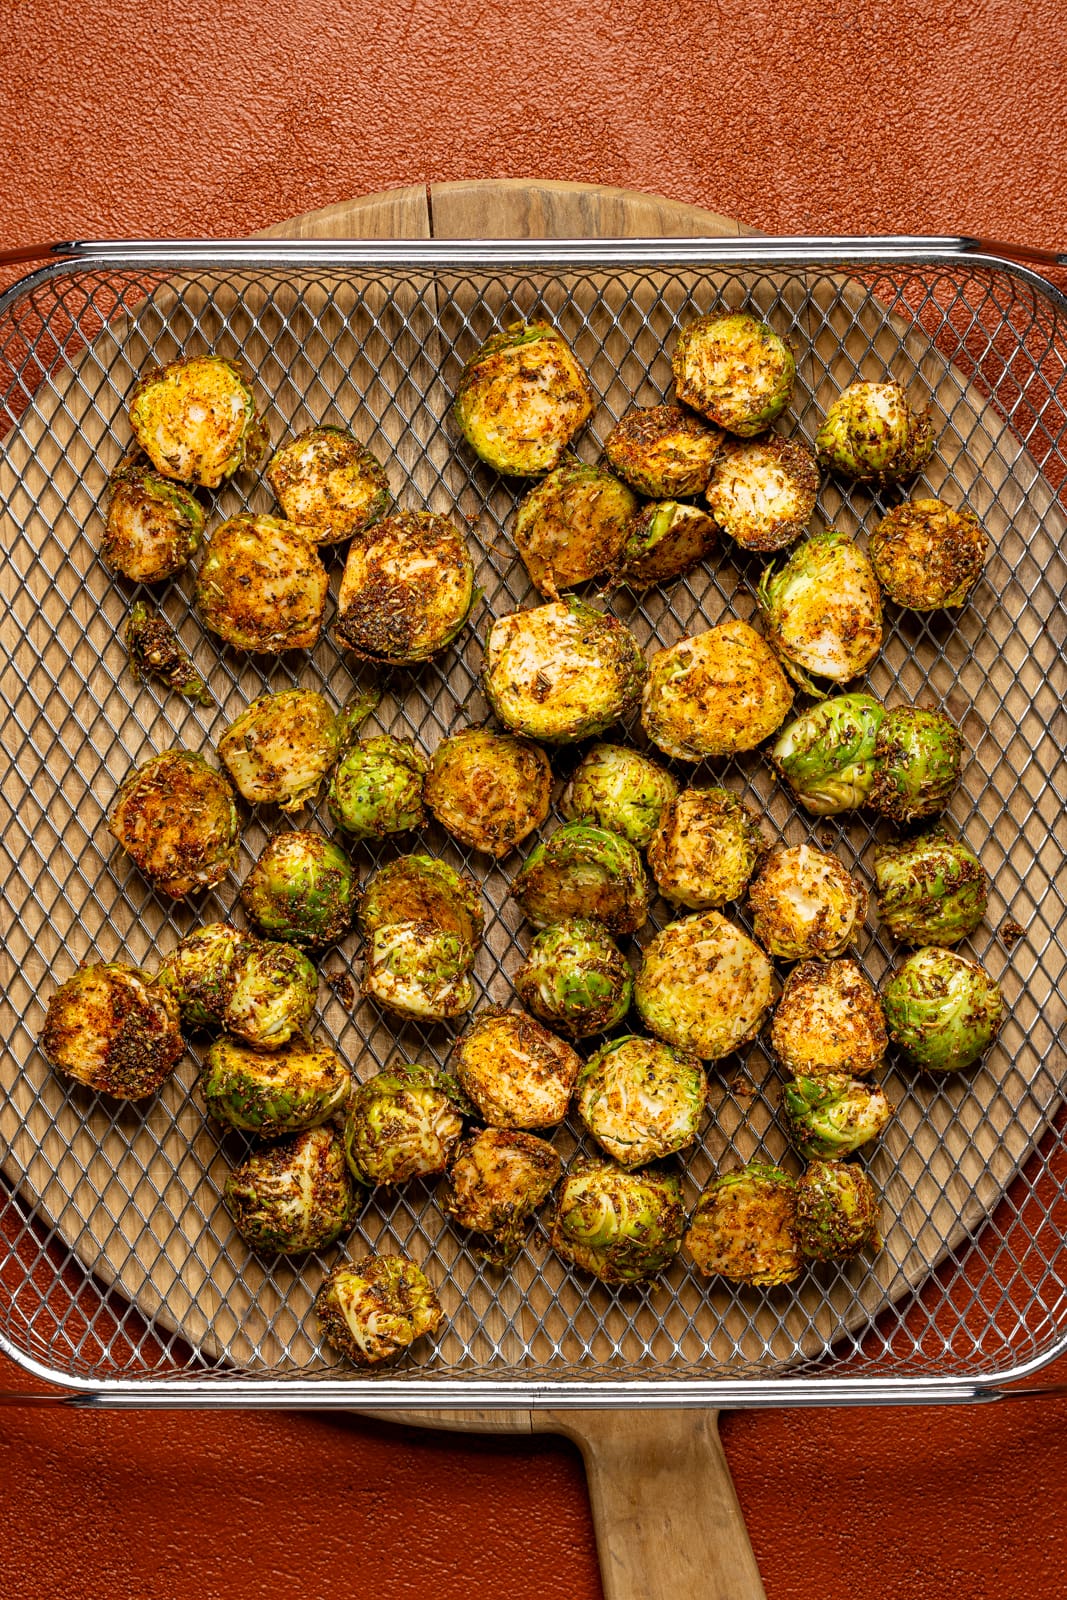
(842, 116)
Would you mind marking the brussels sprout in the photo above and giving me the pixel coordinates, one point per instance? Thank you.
(704, 986)
(521, 399)
(376, 788)
(823, 610)
(153, 526)
(581, 871)
(806, 904)
(273, 1092)
(828, 1020)
(292, 1196)
(420, 889)
(198, 972)
(838, 1213)
(114, 1029)
(282, 747)
(705, 849)
(196, 420)
(575, 978)
(662, 541)
(418, 970)
(373, 1310)
(925, 555)
(620, 790)
(561, 672)
(872, 435)
(271, 994)
(623, 1227)
(917, 759)
(663, 451)
(831, 1116)
(932, 889)
(734, 370)
(262, 586)
(715, 694)
(402, 1123)
(744, 1227)
(762, 491)
(153, 650)
(826, 755)
(497, 1180)
(943, 1010)
(488, 789)
(572, 526)
(327, 482)
(302, 890)
(517, 1073)
(641, 1099)
(407, 589)
(176, 818)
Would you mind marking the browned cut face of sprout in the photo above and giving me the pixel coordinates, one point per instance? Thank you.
(517, 1073)
(262, 586)
(720, 692)
(663, 451)
(153, 526)
(490, 790)
(294, 1195)
(176, 818)
(407, 589)
(735, 370)
(744, 1228)
(113, 1029)
(197, 421)
(829, 1020)
(806, 904)
(762, 491)
(926, 555)
(704, 986)
(522, 397)
(329, 483)
(572, 526)
(705, 849)
(663, 540)
(497, 1179)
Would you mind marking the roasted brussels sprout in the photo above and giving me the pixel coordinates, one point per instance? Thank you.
(823, 610)
(273, 1092)
(917, 758)
(419, 970)
(373, 1310)
(828, 1020)
(806, 904)
(262, 586)
(521, 399)
(376, 788)
(561, 672)
(925, 555)
(620, 790)
(517, 1073)
(572, 526)
(662, 541)
(575, 978)
(705, 849)
(663, 451)
(762, 491)
(292, 1196)
(872, 435)
(497, 1180)
(421, 889)
(326, 481)
(154, 650)
(641, 1099)
(715, 694)
(196, 420)
(114, 1029)
(302, 890)
(176, 818)
(734, 370)
(153, 526)
(943, 1010)
(704, 986)
(407, 589)
(838, 1213)
(826, 755)
(830, 1117)
(932, 889)
(271, 993)
(402, 1123)
(488, 789)
(198, 972)
(744, 1227)
(623, 1227)
(282, 747)
(582, 871)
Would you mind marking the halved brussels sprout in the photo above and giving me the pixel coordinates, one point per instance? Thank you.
(872, 435)
(572, 526)
(326, 481)
(581, 871)
(273, 1092)
(830, 1117)
(419, 970)
(762, 491)
(402, 1123)
(153, 650)
(925, 555)
(517, 1073)
(292, 1196)
(176, 818)
(704, 986)
(705, 849)
(262, 586)
(282, 747)
(663, 451)
(114, 1029)
(838, 1213)
(153, 526)
(744, 1227)
(828, 1020)
(497, 1180)
(521, 399)
(641, 1099)
(715, 694)
(806, 904)
(376, 788)
(623, 1227)
(302, 889)
(407, 589)
(734, 370)
(488, 789)
(620, 790)
(932, 889)
(917, 759)
(373, 1310)
(823, 610)
(826, 755)
(271, 994)
(421, 889)
(196, 420)
(561, 672)
(198, 972)
(662, 541)
(575, 978)
(943, 1010)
